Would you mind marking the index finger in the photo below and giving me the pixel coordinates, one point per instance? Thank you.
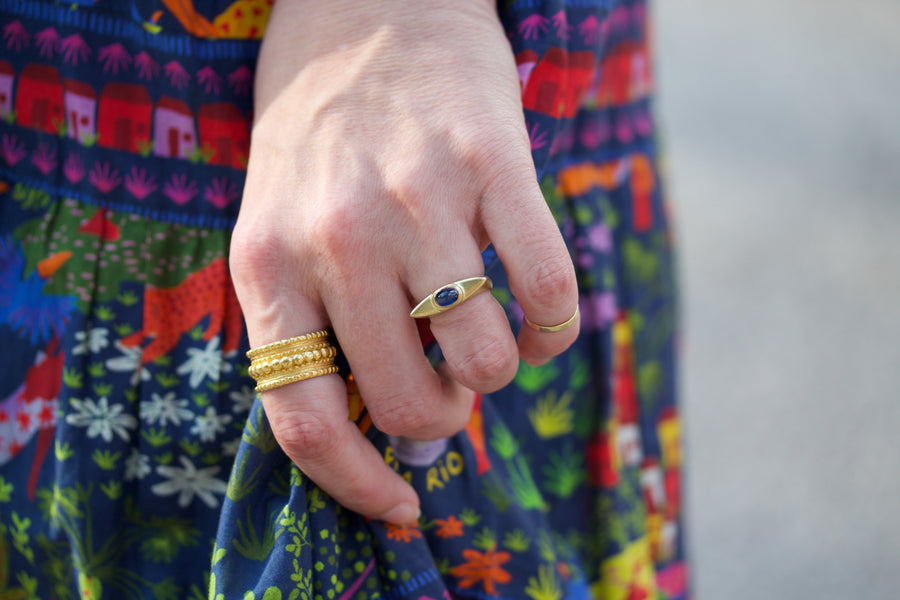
(310, 420)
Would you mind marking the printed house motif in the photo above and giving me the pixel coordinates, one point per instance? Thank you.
(81, 110)
(124, 117)
(7, 75)
(224, 130)
(39, 102)
(173, 129)
(558, 82)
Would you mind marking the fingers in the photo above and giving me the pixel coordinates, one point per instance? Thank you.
(536, 260)
(403, 393)
(475, 338)
(310, 421)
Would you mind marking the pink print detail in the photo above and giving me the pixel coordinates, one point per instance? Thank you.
(16, 36)
(180, 190)
(44, 158)
(589, 29)
(210, 80)
(178, 76)
(147, 67)
(221, 192)
(47, 41)
(139, 184)
(114, 57)
(532, 26)
(561, 23)
(74, 49)
(104, 177)
(12, 150)
(537, 138)
(241, 81)
(73, 168)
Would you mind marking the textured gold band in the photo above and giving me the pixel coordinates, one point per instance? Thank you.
(450, 296)
(291, 360)
(553, 328)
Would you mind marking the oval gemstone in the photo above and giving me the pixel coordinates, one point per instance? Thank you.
(446, 296)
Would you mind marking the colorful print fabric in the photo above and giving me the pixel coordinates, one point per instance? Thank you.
(135, 460)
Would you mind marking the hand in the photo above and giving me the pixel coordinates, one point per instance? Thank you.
(389, 149)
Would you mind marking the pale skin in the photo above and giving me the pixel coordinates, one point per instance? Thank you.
(389, 148)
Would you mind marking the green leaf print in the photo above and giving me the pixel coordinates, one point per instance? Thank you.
(551, 416)
(156, 437)
(20, 536)
(534, 379)
(5, 490)
(545, 586)
(72, 378)
(105, 460)
(96, 370)
(104, 313)
(167, 380)
(564, 473)
(485, 539)
(516, 541)
(261, 438)
(241, 483)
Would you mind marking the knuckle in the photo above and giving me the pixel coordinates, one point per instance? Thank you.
(395, 416)
(306, 435)
(551, 280)
(487, 362)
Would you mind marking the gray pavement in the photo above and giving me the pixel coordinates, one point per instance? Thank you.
(782, 122)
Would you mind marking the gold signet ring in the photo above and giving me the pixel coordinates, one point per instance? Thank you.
(449, 296)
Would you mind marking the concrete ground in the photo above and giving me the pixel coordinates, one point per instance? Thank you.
(782, 122)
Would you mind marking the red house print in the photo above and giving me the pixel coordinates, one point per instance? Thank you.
(124, 117)
(559, 82)
(39, 103)
(173, 129)
(81, 110)
(224, 130)
(624, 75)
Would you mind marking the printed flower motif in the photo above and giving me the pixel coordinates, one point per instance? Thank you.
(101, 419)
(209, 425)
(16, 36)
(241, 80)
(589, 29)
(532, 26)
(104, 177)
(242, 399)
(147, 67)
(139, 184)
(449, 527)
(91, 341)
(113, 58)
(137, 465)
(402, 533)
(190, 481)
(204, 363)
(210, 80)
(177, 75)
(44, 158)
(485, 568)
(179, 189)
(561, 23)
(48, 42)
(130, 361)
(221, 192)
(73, 168)
(168, 408)
(11, 150)
(74, 48)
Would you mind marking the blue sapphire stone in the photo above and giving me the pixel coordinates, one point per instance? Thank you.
(446, 297)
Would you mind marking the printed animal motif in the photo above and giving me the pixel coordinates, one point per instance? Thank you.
(243, 19)
(171, 312)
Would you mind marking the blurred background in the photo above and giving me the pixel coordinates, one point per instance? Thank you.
(782, 121)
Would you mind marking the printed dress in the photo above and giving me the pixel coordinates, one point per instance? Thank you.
(135, 460)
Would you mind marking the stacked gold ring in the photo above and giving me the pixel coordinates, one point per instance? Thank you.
(294, 359)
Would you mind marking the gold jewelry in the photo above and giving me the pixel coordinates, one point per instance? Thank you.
(449, 296)
(291, 360)
(552, 328)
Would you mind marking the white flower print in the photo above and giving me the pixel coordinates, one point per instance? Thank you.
(91, 341)
(130, 361)
(204, 363)
(210, 424)
(242, 399)
(230, 448)
(101, 419)
(190, 481)
(165, 408)
(137, 465)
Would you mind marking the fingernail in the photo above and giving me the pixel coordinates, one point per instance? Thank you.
(402, 514)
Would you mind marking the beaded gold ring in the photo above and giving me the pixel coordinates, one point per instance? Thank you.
(291, 360)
